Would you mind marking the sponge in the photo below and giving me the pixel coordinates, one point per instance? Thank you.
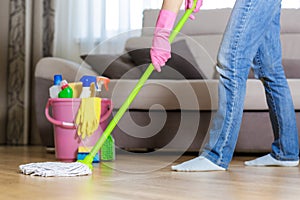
(84, 151)
(77, 88)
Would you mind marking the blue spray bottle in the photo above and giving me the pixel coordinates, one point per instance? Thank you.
(86, 86)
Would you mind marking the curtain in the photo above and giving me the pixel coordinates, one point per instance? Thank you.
(28, 20)
(83, 24)
(16, 74)
(48, 27)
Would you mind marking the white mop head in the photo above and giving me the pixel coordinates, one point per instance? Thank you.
(50, 169)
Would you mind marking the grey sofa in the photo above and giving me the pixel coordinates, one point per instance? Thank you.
(174, 109)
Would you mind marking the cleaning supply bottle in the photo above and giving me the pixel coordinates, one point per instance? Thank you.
(55, 88)
(66, 90)
(86, 86)
(101, 80)
(108, 152)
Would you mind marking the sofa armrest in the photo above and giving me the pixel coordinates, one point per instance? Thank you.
(46, 68)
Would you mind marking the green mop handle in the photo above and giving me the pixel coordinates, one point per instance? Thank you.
(89, 158)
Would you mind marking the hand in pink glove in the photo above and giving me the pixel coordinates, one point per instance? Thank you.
(161, 49)
(189, 5)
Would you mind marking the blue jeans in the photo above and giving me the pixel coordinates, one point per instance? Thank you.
(252, 39)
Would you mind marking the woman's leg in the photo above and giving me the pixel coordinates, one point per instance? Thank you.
(249, 22)
(268, 68)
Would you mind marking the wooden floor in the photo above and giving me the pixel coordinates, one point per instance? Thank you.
(145, 176)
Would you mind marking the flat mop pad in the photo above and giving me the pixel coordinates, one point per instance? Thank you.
(50, 169)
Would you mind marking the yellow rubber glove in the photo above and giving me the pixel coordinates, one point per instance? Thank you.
(88, 116)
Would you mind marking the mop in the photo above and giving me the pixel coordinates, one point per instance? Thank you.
(84, 167)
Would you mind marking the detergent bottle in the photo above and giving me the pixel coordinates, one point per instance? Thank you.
(88, 82)
(55, 88)
(66, 90)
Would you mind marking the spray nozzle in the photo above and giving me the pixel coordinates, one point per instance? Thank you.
(101, 80)
(88, 80)
(97, 80)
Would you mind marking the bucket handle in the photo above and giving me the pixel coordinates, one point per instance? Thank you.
(71, 125)
(108, 113)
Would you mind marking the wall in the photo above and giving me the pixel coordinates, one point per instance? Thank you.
(4, 24)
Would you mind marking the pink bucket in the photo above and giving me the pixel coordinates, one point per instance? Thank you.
(64, 113)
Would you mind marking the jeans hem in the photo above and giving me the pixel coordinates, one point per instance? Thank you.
(215, 161)
(280, 159)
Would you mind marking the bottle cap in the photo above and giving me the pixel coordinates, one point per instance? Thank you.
(64, 84)
(57, 79)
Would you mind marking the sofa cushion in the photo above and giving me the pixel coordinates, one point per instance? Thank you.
(290, 43)
(214, 21)
(189, 94)
(291, 68)
(208, 22)
(182, 64)
(288, 22)
(203, 48)
(113, 66)
(166, 94)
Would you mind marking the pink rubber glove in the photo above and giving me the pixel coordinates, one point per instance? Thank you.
(161, 49)
(189, 4)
